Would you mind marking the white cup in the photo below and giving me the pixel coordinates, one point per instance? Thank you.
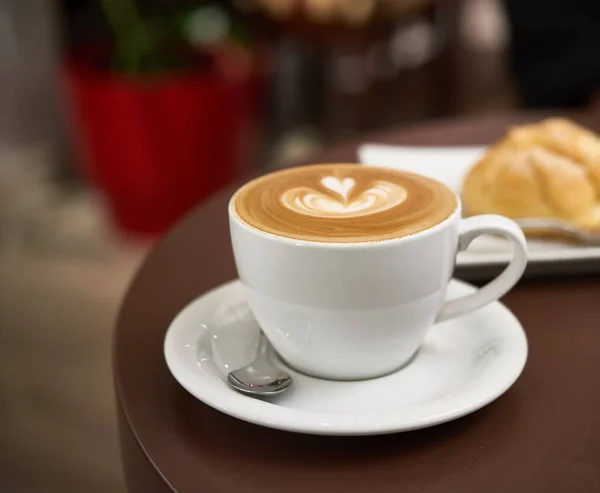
(352, 311)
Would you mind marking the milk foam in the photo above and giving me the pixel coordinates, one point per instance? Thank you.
(341, 202)
(334, 199)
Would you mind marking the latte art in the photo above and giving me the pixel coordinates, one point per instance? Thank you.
(343, 203)
(335, 198)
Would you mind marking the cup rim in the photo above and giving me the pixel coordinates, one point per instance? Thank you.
(234, 216)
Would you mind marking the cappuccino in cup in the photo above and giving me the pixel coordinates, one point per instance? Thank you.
(343, 203)
(346, 267)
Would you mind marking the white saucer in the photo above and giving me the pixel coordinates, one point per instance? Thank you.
(462, 366)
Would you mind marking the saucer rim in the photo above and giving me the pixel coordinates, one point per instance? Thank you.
(252, 410)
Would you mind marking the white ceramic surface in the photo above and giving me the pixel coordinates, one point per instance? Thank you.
(314, 300)
(463, 365)
(450, 165)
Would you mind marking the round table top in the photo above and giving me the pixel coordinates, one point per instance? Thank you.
(542, 435)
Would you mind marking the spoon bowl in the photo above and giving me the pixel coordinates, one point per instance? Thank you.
(261, 377)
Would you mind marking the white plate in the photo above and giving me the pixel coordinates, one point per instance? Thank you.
(450, 165)
(462, 366)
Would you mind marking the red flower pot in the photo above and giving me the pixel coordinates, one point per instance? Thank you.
(156, 147)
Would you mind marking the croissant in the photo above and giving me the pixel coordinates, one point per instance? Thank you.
(546, 170)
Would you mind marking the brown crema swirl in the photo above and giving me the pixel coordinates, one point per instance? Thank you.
(343, 203)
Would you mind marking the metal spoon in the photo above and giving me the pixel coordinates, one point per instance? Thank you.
(587, 237)
(260, 378)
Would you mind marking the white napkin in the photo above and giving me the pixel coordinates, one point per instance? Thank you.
(448, 165)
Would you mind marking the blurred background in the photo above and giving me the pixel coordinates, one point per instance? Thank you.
(118, 116)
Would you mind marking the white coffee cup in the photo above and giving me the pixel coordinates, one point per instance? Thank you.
(351, 311)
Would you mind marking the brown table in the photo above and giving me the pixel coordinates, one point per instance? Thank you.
(542, 435)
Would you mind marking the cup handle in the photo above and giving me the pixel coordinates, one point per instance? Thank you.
(470, 229)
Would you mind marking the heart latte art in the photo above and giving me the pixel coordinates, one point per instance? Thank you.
(343, 203)
(336, 198)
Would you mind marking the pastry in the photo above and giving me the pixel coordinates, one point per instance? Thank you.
(545, 170)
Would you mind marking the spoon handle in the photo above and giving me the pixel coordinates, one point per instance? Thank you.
(263, 345)
(563, 228)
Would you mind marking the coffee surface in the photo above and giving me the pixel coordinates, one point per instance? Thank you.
(343, 203)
